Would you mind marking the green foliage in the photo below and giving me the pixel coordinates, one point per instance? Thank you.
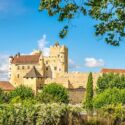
(89, 93)
(40, 114)
(110, 80)
(21, 93)
(66, 10)
(114, 113)
(4, 97)
(1, 95)
(53, 93)
(109, 96)
(109, 14)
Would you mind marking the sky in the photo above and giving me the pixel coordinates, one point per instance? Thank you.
(23, 29)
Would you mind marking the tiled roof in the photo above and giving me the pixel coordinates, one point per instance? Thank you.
(33, 73)
(113, 71)
(6, 86)
(26, 59)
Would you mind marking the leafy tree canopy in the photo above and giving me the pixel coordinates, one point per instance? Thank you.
(109, 96)
(110, 80)
(54, 93)
(110, 15)
(21, 92)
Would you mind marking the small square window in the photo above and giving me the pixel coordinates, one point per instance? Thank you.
(55, 68)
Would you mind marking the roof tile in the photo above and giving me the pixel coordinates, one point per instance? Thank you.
(113, 71)
(6, 86)
(26, 59)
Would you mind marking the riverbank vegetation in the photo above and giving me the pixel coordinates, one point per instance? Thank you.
(105, 105)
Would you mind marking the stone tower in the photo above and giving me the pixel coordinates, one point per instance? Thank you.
(57, 62)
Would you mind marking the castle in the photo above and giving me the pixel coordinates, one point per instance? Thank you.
(36, 70)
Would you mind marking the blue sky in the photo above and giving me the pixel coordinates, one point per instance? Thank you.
(23, 28)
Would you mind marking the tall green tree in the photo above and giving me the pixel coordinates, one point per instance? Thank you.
(110, 16)
(89, 93)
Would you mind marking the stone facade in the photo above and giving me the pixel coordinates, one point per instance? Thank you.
(53, 68)
(48, 67)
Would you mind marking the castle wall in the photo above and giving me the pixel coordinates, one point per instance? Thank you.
(73, 80)
(76, 96)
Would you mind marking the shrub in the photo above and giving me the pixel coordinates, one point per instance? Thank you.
(109, 96)
(4, 98)
(110, 80)
(40, 114)
(21, 92)
(54, 93)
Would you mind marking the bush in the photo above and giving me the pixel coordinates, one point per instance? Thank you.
(22, 93)
(4, 98)
(110, 80)
(40, 114)
(109, 96)
(53, 93)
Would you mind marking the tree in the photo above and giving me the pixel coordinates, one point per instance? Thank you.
(4, 98)
(109, 96)
(54, 93)
(110, 15)
(22, 92)
(110, 80)
(89, 93)
(1, 95)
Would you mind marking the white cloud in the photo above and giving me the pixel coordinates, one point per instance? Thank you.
(42, 44)
(72, 64)
(4, 66)
(93, 62)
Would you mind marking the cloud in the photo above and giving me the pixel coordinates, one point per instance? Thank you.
(92, 62)
(4, 66)
(42, 44)
(72, 64)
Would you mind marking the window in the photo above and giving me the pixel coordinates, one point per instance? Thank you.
(55, 68)
(22, 67)
(18, 76)
(28, 67)
(46, 62)
(46, 68)
(18, 67)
